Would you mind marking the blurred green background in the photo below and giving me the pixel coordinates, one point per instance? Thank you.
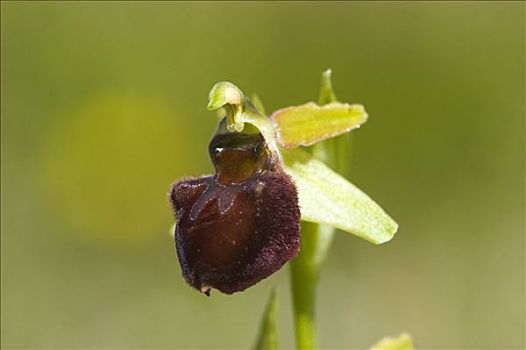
(103, 106)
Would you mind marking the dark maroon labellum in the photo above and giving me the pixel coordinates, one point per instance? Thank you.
(242, 224)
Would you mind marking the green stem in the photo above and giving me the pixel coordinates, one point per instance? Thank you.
(304, 277)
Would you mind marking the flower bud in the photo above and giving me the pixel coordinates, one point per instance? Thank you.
(241, 225)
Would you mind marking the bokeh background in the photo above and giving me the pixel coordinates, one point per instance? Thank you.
(103, 106)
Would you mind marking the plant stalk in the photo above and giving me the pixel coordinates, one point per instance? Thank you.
(304, 277)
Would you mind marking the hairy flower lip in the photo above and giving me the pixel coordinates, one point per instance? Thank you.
(271, 239)
(240, 225)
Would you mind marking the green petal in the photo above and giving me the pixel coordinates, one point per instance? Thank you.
(328, 198)
(402, 342)
(310, 123)
(268, 338)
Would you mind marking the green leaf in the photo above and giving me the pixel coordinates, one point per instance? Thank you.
(310, 123)
(268, 338)
(328, 198)
(402, 342)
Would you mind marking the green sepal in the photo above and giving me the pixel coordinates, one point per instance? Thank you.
(327, 94)
(328, 198)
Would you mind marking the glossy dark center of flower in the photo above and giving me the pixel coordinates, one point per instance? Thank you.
(238, 156)
(220, 226)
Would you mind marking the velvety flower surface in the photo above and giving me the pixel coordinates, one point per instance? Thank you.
(241, 225)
